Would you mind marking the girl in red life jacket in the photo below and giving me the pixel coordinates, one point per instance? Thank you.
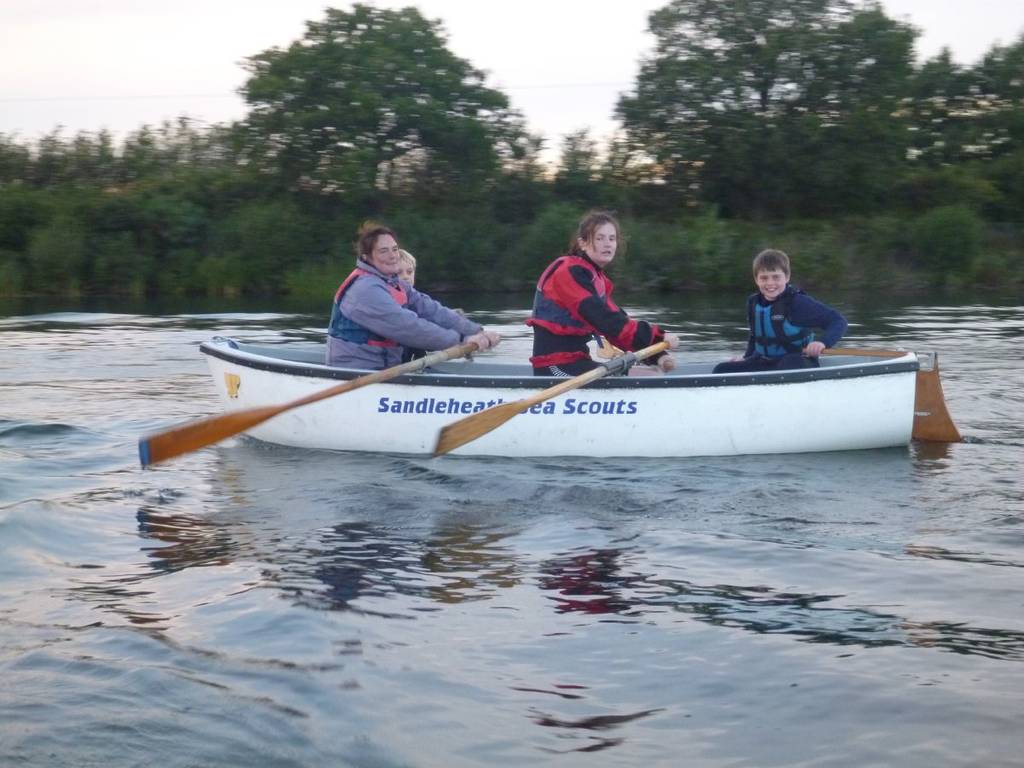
(573, 302)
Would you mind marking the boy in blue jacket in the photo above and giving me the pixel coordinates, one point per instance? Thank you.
(781, 319)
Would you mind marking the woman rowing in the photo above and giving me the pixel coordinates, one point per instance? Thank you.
(573, 302)
(376, 315)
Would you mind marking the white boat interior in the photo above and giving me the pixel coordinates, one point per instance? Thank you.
(307, 360)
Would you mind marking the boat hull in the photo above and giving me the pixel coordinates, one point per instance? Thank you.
(854, 404)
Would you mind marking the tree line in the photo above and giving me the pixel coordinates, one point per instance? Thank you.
(800, 124)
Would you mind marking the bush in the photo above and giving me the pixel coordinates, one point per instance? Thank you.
(946, 241)
(261, 241)
(995, 270)
(719, 253)
(117, 267)
(533, 247)
(317, 281)
(11, 275)
(654, 255)
(454, 249)
(818, 252)
(57, 257)
(21, 211)
(220, 275)
(1007, 176)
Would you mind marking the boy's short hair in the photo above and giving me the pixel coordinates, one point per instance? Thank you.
(407, 257)
(770, 260)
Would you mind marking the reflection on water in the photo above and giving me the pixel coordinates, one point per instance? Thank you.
(595, 723)
(938, 553)
(588, 582)
(471, 562)
(359, 560)
(346, 563)
(392, 573)
(182, 541)
(812, 618)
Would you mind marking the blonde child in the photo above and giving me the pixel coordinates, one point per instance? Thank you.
(407, 267)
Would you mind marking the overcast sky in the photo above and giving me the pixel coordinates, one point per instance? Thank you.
(88, 64)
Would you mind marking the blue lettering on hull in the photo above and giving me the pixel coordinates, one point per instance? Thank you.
(454, 407)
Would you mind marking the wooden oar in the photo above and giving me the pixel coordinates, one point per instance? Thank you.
(197, 434)
(932, 422)
(479, 424)
(865, 352)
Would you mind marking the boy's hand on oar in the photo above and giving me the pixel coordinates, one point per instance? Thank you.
(814, 349)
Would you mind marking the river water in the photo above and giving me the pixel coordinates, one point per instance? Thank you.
(254, 605)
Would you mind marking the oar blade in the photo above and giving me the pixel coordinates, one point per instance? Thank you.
(194, 435)
(466, 430)
(203, 432)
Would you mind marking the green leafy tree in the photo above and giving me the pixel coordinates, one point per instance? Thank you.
(372, 100)
(940, 110)
(771, 107)
(174, 148)
(959, 114)
(15, 161)
(521, 189)
(577, 179)
(967, 125)
(91, 159)
(49, 167)
(1000, 76)
(624, 173)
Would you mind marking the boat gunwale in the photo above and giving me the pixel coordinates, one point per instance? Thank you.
(883, 366)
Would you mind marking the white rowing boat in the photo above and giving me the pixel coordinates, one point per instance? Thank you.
(850, 402)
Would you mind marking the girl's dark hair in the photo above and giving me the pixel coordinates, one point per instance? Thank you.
(367, 237)
(588, 226)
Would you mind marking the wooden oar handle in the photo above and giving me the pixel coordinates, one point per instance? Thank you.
(865, 352)
(625, 360)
